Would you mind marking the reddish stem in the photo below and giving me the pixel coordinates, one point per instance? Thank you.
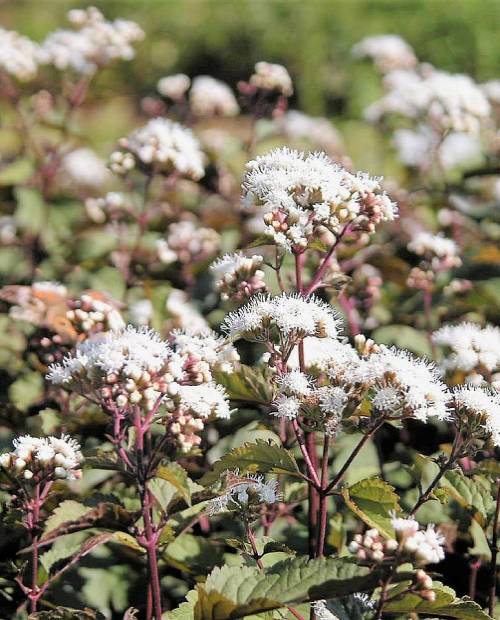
(494, 554)
(151, 539)
(35, 515)
(323, 499)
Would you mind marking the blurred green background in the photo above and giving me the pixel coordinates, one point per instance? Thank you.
(312, 38)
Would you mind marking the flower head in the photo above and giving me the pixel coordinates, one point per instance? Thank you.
(388, 51)
(243, 492)
(211, 97)
(19, 56)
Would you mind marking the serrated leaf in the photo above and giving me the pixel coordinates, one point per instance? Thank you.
(446, 604)
(372, 500)
(67, 511)
(250, 458)
(228, 594)
(177, 476)
(470, 492)
(247, 384)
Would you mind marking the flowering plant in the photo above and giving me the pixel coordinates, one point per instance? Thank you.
(195, 428)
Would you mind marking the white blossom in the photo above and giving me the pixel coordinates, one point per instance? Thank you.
(93, 44)
(470, 347)
(166, 146)
(315, 130)
(187, 242)
(205, 345)
(480, 404)
(174, 86)
(211, 97)
(269, 76)
(242, 491)
(19, 56)
(83, 168)
(292, 315)
(388, 51)
(205, 400)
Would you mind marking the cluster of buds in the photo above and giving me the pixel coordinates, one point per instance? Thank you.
(373, 546)
(92, 313)
(244, 494)
(189, 407)
(267, 91)
(437, 254)
(187, 243)
(112, 206)
(203, 352)
(43, 459)
(121, 163)
(238, 277)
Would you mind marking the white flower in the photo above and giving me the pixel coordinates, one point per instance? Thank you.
(295, 383)
(387, 400)
(45, 458)
(492, 90)
(242, 491)
(388, 51)
(186, 242)
(333, 400)
(207, 346)
(322, 612)
(323, 354)
(166, 146)
(93, 44)
(420, 390)
(404, 527)
(84, 168)
(270, 76)
(205, 400)
(426, 545)
(184, 314)
(19, 56)
(482, 404)
(174, 86)
(287, 407)
(141, 312)
(471, 346)
(292, 315)
(299, 192)
(438, 245)
(211, 97)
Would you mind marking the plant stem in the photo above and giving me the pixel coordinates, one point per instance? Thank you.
(352, 456)
(323, 499)
(494, 554)
(34, 554)
(151, 540)
(424, 497)
(302, 441)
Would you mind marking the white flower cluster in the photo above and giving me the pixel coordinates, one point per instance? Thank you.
(93, 44)
(19, 56)
(188, 243)
(470, 348)
(92, 313)
(403, 384)
(299, 193)
(441, 252)
(43, 459)
(183, 313)
(388, 52)
(206, 347)
(243, 492)
(326, 355)
(318, 131)
(479, 406)
(322, 612)
(174, 86)
(445, 101)
(211, 97)
(163, 146)
(456, 150)
(292, 315)
(84, 169)
(294, 387)
(492, 91)
(110, 205)
(129, 367)
(421, 546)
(272, 77)
(239, 277)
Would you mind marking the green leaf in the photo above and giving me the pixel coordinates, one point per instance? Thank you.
(260, 456)
(446, 604)
(372, 500)
(67, 511)
(16, 172)
(230, 594)
(67, 613)
(404, 337)
(247, 384)
(193, 554)
(185, 611)
(31, 212)
(470, 492)
(177, 476)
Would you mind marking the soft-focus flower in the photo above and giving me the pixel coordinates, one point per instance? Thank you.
(165, 146)
(19, 56)
(388, 51)
(273, 77)
(174, 86)
(478, 405)
(93, 44)
(211, 97)
(83, 168)
(188, 243)
(314, 130)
